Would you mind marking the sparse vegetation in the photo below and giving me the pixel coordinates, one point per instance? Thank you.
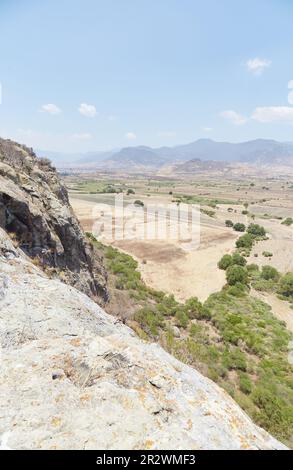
(238, 227)
(232, 338)
(288, 221)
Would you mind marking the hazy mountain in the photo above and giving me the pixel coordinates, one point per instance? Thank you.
(260, 151)
(135, 157)
(255, 151)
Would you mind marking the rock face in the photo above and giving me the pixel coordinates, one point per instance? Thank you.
(72, 377)
(35, 210)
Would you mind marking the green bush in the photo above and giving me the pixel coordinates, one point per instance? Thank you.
(238, 259)
(252, 268)
(182, 319)
(229, 223)
(236, 274)
(263, 285)
(225, 262)
(194, 308)
(130, 191)
(138, 203)
(267, 254)
(245, 384)
(269, 273)
(286, 285)
(246, 241)
(256, 230)
(149, 320)
(288, 221)
(238, 227)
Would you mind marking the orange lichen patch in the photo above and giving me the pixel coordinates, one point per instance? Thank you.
(148, 444)
(189, 425)
(55, 421)
(235, 422)
(84, 398)
(75, 342)
(59, 397)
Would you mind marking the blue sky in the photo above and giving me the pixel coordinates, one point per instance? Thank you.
(100, 74)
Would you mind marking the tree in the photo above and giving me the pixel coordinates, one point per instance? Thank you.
(236, 274)
(229, 223)
(239, 227)
(130, 191)
(269, 273)
(225, 262)
(286, 285)
(246, 241)
(238, 259)
(256, 230)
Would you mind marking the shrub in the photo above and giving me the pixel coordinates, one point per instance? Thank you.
(138, 203)
(256, 230)
(181, 318)
(238, 259)
(130, 191)
(252, 268)
(237, 291)
(229, 223)
(194, 308)
(225, 262)
(149, 320)
(245, 384)
(236, 274)
(238, 227)
(246, 241)
(267, 254)
(288, 221)
(286, 285)
(269, 273)
(264, 286)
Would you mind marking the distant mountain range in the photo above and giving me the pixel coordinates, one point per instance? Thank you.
(255, 152)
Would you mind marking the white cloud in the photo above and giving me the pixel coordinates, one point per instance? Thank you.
(166, 134)
(50, 108)
(88, 110)
(234, 117)
(273, 113)
(85, 136)
(257, 65)
(130, 136)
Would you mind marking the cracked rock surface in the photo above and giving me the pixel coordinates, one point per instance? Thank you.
(72, 377)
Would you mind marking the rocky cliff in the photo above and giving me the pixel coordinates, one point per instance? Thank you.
(72, 377)
(35, 211)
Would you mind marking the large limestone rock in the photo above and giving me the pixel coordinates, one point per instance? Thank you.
(35, 210)
(72, 377)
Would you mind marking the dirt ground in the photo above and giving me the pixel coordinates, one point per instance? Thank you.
(165, 264)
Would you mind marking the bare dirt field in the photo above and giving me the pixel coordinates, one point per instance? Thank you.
(165, 264)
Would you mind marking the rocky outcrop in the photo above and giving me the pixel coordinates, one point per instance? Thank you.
(72, 377)
(35, 211)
